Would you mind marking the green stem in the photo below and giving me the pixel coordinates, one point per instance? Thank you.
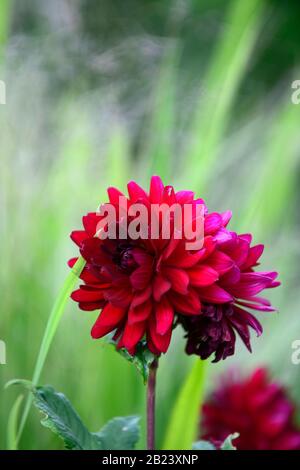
(151, 406)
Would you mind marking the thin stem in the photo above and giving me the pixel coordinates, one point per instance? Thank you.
(151, 406)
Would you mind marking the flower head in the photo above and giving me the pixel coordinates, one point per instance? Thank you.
(256, 408)
(145, 286)
(225, 306)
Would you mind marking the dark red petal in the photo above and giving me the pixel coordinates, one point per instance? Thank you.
(156, 190)
(186, 304)
(132, 334)
(164, 316)
(226, 216)
(90, 222)
(212, 223)
(160, 342)
(91, 250)
(114, 194)
(141, 277)
(178, 278)
(78, 236)
(85, 295)
(136, 192)
(71, 262)
(142, 257)
(202, 275)
(169, 197)
(160, 287)
(250, 284)
(215, 294)
(90, 306)
(107, 321)
(140, 313)
(141, 297)
(249, 319)
(119, 295)
(254, 306)
(231, 277)
(242, 330)
(254, 254)
(220, 262)
(185, 197)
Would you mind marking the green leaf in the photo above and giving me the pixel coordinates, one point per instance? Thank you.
(203, 445)
(64, 421)
(120, 433)
(142, 359)
(206, 445)
(182, 427)
(227, 444)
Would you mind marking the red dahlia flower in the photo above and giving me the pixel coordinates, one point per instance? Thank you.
(145, 287)
(258, 409)
(225, 307)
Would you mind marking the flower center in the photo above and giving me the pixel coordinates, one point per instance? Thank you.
(124, 259)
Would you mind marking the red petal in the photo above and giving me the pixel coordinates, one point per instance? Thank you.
(220, 262)
(120, 296)
(136, 192)
(178, 278)
(139, 313)
(186, 304)
(90, 306)
(87, 295)
(169, 195)
(132, 334)
(114, 194)
(184, 197)
(202, 275)
(164, 317)
(91, 250)
(251, 284)
(212, 223)
(160, 342)
(156, 190)
(141, 277)
(160, 287)
(107, 321)
(215, 294)
(226, 216)
(90, 222)
(78, 236)
(71, 262)
(141, 297)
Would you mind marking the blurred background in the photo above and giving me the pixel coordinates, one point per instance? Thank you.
(101, 92)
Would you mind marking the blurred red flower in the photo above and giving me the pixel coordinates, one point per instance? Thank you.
(255, 407)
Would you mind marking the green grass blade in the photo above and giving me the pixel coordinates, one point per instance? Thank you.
(183, 424)
(277, 178)
(12, 425)
(4, 23)
(221, 85)
(50, 330)
(118, 163)
(158, 148)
